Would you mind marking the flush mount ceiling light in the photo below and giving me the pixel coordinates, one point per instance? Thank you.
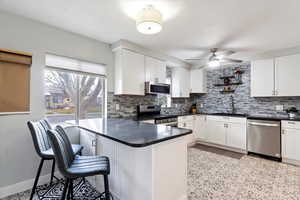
(214, 63)
(149, 20)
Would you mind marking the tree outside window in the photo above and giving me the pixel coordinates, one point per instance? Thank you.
(70, 95)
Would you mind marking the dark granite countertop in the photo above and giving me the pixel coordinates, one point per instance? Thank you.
(272, 117)
(133, 133)
(240, 115)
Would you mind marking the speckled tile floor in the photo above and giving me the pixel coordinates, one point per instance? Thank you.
(215, 174)
(227, 176)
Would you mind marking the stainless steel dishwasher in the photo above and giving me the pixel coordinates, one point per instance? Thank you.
(264, 137)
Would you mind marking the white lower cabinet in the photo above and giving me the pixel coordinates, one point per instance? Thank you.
(200, 130)
(216, 132)
(290, 141)
(188, 123)
(236, 135)
(226, 131)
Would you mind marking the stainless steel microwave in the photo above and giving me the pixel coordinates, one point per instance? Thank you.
(157, 88)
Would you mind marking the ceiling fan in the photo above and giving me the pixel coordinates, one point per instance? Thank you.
(217, 58)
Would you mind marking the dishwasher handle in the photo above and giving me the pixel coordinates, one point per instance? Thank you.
(263, 124)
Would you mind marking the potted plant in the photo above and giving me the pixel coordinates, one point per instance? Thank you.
(292, 112)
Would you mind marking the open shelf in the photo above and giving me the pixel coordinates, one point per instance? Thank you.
(227, 91)
(226, 77)
(223, 84)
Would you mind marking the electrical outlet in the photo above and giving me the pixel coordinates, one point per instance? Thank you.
(279, 107)
(117, 106)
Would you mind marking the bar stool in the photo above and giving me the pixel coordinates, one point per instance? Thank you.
(38, 130)
(73, 166)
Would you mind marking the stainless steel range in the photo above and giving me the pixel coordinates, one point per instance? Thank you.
(151, 114)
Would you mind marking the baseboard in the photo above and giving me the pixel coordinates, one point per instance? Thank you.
(222, 147)
(190, 144)
(291, 161)
(24, 185)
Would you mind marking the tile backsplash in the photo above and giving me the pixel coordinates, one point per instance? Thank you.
(213, 101)
(127, 104)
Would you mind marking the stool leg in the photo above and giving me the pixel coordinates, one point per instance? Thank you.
(106, 188)
(36, 179)
(52, 172)
(70, 191)
(63, 196)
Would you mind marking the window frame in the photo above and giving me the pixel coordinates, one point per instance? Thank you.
(77, 109)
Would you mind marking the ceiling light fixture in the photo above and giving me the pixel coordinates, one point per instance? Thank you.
(214, 63)
(149, 20)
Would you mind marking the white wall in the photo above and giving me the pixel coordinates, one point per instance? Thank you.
(171, 61)
(18, 160)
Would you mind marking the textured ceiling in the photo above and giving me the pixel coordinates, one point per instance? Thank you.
(190, 27)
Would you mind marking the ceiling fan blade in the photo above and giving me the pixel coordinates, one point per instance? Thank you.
(224, 53)
(231, 60)
(191, 59)
(200, 66)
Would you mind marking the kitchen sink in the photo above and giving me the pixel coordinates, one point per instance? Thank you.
(230, 114)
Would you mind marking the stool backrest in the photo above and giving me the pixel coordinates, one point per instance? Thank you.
(62, 149)
(38, 130)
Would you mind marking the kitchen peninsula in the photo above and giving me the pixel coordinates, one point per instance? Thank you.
(148, 161)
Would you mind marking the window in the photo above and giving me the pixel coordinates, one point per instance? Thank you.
(73, 95)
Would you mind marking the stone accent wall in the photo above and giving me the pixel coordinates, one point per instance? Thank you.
(214, 101)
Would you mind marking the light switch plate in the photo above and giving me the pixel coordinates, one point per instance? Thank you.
(117, 106)
(279, 107)
(201, 105)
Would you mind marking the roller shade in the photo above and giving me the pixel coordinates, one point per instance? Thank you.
(74, 64)
(14, 82)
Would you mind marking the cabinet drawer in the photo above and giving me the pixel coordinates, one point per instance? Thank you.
(238, 120)
(186, 125)
(186, 118)
(218, 118)
(227, 119)
(290, 124)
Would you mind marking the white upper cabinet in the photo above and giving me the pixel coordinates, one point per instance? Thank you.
(155, 70)
(198, 81)
(180, 82)
(129, 73)
(262, 78)
(276, 77)
(287, 75)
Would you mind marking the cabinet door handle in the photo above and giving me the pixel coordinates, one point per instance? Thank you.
(262, 124)
(291, 123)
(94, 142)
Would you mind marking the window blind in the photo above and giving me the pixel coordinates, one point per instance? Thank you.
(74, 64)
(14, 82)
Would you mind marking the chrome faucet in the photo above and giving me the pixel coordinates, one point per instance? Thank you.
(232, 105)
